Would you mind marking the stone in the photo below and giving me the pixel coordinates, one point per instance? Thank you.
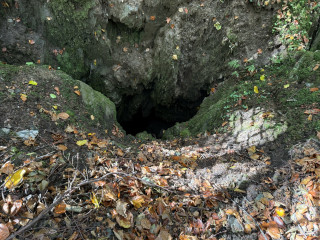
(27, 134)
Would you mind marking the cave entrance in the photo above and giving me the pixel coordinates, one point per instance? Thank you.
(153, 118)
(151, 124)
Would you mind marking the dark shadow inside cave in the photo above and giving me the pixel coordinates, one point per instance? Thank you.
(151, 124)
(152, 118)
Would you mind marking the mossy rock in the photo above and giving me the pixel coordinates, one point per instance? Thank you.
(101, 107)
(144, 136)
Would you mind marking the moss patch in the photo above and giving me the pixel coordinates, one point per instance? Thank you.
(286, 88)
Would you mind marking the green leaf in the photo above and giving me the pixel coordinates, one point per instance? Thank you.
(52, 95)
(29, 63)
(217, 25)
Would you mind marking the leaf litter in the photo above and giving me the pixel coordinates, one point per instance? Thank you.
(90, 185)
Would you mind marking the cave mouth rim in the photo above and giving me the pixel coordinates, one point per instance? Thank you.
(157, 119)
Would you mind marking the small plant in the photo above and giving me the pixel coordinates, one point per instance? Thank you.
(251, 68)
(217, 25)
(234, 64)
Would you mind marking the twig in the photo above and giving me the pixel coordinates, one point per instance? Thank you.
(68, 192)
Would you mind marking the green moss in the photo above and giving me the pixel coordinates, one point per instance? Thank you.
(71, 30)
(144, 136)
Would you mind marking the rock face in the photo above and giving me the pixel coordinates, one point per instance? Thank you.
(148, 56)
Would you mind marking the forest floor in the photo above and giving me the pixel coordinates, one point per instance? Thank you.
(65, 179)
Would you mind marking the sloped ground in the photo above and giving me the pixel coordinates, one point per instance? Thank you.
(74, 180)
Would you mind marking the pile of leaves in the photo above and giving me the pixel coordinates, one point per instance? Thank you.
(128, 193)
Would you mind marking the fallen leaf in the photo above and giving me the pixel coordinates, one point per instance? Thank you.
(175, 57)
(164, 235)
(60, 208)
(63, 116)
(137, 201)
(316, 67)
(168, 20)
(255, 89)
(280, 212)
(262, 77)
(31, 42)
(53, 95)
(224, 123)
(23, 97)
(125, 222)
(62, 147)
(4, 231)
(15, 178)
(77, 92)
(57, 90)
(7, 168)
(286, 86)
(273, 230)
(82, 142)
(259, 51)
(314, 89)
(95, 201)
(312, 111)
(33, 83)
(152, 18)
(121, 208)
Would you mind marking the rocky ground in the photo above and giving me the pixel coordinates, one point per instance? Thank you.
(66, 175)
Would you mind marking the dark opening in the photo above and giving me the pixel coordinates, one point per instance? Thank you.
(152, 118)
(152, 124)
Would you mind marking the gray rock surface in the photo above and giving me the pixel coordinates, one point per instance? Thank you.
(142, 54)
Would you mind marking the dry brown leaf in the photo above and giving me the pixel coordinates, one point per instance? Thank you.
(121, 208)
(7, 168)
(273, 230)
(16, 206)
(57, 90)
(164, 235)
(312, 111)
(62, 147)
(60, 208)
(314, 89)
(125, 222)
(63, 116)
(77, 92)
(4, 231)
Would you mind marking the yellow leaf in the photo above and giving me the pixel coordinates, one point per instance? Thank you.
(255, 89)
(286, 86)
(280, 212)
(14, 179)
(137, 201)
(95, 201)
(33, 83)
(82, 142)
(262, 77)
(55, 107)
(175, 57)
(23, 97)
